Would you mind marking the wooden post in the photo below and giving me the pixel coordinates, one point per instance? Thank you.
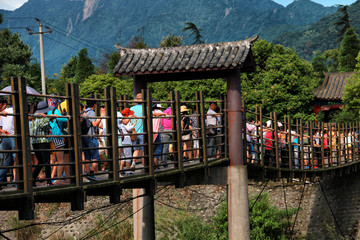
(203, 128)
(276, 137)
(77, 202)
(222, 129)
(312, 156)
(339, 145)
(289, 142)
(301, 145)
(322, 146)
(26, 210)
(150, 133)
(226, 139)
(178, 131)
(261, 139)
(112, 141)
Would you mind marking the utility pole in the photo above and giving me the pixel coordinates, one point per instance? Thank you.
(42, 61)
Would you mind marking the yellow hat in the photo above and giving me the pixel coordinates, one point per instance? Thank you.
(63, 106)
(184, 109)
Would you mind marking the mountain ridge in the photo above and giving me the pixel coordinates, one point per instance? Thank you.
(99, 24)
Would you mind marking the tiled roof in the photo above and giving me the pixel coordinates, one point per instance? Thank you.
(200, 57)
(332, 87)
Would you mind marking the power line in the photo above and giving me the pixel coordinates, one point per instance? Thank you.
(287, 213)
(17, 27)
(2, 235)
(72, 219)
(132, 214)
(18, 17)
(259, 194)
(297, 211)
(332, 213)
(123, 201)
(70, 34)
(61, 43)
(80, 41)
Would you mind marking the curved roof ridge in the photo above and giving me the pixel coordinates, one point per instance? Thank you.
(230, 55)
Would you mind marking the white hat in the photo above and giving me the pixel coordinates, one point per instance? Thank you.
(268, 123)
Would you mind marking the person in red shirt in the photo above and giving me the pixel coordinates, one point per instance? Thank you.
(268, 139)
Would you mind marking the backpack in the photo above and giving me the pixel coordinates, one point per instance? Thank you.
(63, 128)
(85, 125)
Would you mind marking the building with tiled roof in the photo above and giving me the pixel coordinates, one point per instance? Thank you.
(190, 62)
(328, 96)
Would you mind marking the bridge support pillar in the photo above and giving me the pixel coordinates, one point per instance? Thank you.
(144, 218)
(238, 202)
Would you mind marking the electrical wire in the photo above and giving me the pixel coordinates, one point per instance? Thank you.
(332, 213)
(2, 235)
(257, 198)
(297, 212)
(202, 194)
(61, 43)
(191, 210)
(287, 213)
(72, 36)
(133, 213)
(74, 219)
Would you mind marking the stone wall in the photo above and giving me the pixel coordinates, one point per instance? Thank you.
(336, 198)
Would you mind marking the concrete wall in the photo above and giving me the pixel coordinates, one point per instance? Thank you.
(337, 198)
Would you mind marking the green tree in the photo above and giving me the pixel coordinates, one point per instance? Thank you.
(69, 69)
(351, 94)
(171, 41)
(113, 61)
(194, 31)
(282, 83)
(33, 75)
(343, 23)
(332, 60)
(266, 222)
(138, 41)
(95, 85)
(349, 49)
(84, 66)
(319, 63)
(15, 56)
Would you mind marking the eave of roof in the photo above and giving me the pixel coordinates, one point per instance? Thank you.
(192, 58)
(333, 86)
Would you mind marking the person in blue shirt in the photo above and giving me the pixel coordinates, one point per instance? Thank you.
(56, 125)
(138, 150)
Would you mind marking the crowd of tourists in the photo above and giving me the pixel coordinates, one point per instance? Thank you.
(48, 126)
(320, 147)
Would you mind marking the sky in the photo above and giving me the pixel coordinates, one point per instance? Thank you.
(13, 4)
(326, 3)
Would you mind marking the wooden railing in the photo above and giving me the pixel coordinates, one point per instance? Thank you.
(23, 187)
(294, 145)
(273, 147)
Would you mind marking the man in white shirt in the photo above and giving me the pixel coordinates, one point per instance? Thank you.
(6, 128)
(211, 121)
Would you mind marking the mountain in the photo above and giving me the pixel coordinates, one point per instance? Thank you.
(321, 35)
(99, 24)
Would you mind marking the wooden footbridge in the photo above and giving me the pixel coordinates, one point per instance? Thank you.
(282, 148)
